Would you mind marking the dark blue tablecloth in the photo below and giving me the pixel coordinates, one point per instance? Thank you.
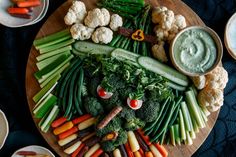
(15, 44)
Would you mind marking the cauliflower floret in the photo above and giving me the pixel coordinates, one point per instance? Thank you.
(97, 17)
(167, 19)
(180, 21)
(156, 14)
(158, 52)
(199, 81)
(218, 78)
(161, 34)
(102, 35)
(116, 22)
(76, 13)
(211, 98)
(81, 32)
(172, 33)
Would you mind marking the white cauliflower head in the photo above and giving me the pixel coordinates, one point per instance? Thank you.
(167, 19)
(199, 81)
(211, 98)
(218, 78)
(102, 35)
(81, 32)
(156, 14)
(116, 22)
(76, 13)
(158, 52)
(97, 17)
(180, 21)
(161, 34)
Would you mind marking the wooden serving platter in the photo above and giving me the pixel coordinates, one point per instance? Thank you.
(56, 22)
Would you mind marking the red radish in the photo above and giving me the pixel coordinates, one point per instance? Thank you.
(134, 104)
(103, 93)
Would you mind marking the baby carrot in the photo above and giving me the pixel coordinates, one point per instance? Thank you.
(161, 149)
(148, 154)
(145, 138)
(63, 128)
(97, 153)
(128, 150)
(81, 119)
(58, 122)
(68, 132)
(14, 10)
(76, 152)
(31, 3)
(141, 151)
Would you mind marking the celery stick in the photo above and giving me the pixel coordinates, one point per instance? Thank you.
(52, 115)
(205, 110)
(204, 117)
(39, 74)
(195, 126)
(172, 135)
(45, 106)
(186, 116)
(182, 127)
(188, 140)
(42, 84)
(52, 53)
(56, 46)
(43, 119)
(192, 134)
(45, 89)
(193, 108)
(51, 37)
(44, 77)
(42, 64)
(53, 42)
(177, 134)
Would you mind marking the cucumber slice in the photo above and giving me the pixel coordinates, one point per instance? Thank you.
(163, 70)
(126, 56)
(45, 106)
(92, 48)
(44, 63)
(52, 53)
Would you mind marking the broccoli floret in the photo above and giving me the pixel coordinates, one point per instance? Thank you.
(93, 106)
(110, 103)
(127, 113)
(159, 95)
(134, 124)
(149, 111)
(112, 144)
(108, 146)
(112, 83)
(93, 84)
(124, 93)
(113, 125)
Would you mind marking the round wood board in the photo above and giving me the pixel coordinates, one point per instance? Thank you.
(55, 23)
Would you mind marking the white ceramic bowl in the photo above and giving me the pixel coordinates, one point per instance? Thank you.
(230, 36)
(10, 21)
(35, 148)
(4, 129)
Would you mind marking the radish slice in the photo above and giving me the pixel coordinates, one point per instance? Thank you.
(103, 94)
(134, 104)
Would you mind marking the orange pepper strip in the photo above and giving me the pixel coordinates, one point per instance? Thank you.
(138, 35)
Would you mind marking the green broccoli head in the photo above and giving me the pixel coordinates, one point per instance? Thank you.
(112, 83)
(159, 95)
(134, 124)
(127, 113)
(109, 146)
(113, 125)
(93, 106)
(124, 93)
(110, 103)
(149, 111)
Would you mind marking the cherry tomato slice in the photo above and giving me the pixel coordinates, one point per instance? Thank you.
(134, 103)
(102, 92)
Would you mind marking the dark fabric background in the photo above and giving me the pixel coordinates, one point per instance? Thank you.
(15, 44)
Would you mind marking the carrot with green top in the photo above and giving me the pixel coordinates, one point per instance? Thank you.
(161, 149)
(68, 132)
(63, 128)
(81, 119)
(58, 122)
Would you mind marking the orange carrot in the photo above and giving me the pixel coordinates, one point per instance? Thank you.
(128, 150)
(148, 154)
(63, 128)
(81, 119)
(58, 122)
(76, 152)
(137, 154)
(161, 149)
(15, 10)
(68, 132)
(145, 138)
(97, 153)
(141, 151)
(31, 3)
